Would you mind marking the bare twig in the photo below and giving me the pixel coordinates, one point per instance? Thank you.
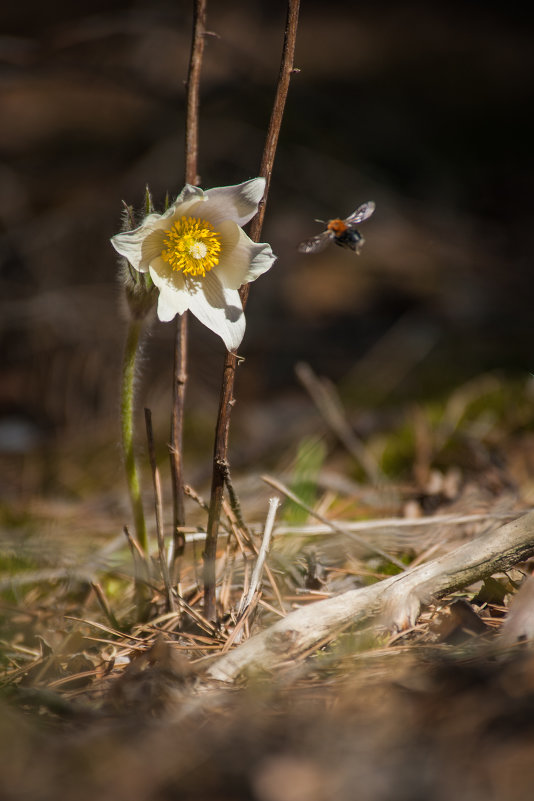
(180, 348)
(260, 561)
(193, 84)
(192, 493)
(177, 422)
(236, 636)
(393, 525)
(232, 495)
(158, 504)
(138, 555)
(200, 619)
(334, 526)
(394, 603)
(241, 535)
(220, 456)
(269, 151)
(244, 540)
(397, 522)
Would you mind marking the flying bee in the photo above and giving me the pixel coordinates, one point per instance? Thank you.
(343, 232)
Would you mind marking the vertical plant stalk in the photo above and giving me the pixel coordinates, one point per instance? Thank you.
(227, 401)
(158, 508)
(180, 348)
(193, 84)
(127, 423)
(177, 423)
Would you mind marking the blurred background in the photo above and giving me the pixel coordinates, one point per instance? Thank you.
(424, 108)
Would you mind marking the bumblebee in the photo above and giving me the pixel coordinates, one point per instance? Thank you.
(343, 232)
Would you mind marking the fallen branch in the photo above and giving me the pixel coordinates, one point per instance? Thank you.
(395, 603)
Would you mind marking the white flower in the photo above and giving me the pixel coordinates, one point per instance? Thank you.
(198, 255)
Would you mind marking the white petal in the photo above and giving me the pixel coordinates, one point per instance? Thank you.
(173, 295)
(243, 263)
(143, 244)
(188, 193)
(166, 309)
(234, 262)
(238, 203)
(220, 310)
(129, 244)
(263, 259)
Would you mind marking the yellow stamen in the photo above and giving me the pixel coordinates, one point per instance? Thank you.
(192, 246)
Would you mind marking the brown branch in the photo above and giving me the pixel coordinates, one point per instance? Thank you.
(180, 349)
(394, 603)
(269, 151)
(193, 84)
(177, 427)
(227, 401)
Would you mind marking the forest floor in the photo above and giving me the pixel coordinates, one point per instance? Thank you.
(97, 702)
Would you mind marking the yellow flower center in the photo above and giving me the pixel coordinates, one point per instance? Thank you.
(192, 246)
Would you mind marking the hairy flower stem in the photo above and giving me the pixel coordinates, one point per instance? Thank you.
(227, 400)
(180, 348)
(127, 423)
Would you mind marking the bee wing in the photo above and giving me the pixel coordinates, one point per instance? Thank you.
(316, 243)
(362, 213)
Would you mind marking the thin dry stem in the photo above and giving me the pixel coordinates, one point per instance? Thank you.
(327, 402)
(234, 500)
(228, 574)
(177, 426)
(227, 401)
(103, 602)
(193, 84)
(260, 561)
(158, 508)
(140, 575)
(180, 349)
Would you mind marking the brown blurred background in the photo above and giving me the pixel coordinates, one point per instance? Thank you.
(424, 108)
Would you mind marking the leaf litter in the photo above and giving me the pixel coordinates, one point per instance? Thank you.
(86, 686)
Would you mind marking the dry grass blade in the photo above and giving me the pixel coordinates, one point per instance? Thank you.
(396, 522)
(114, 632)
(193, 494)
(104, 605)
(334, 526)
(234, 500)
(327, 402)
